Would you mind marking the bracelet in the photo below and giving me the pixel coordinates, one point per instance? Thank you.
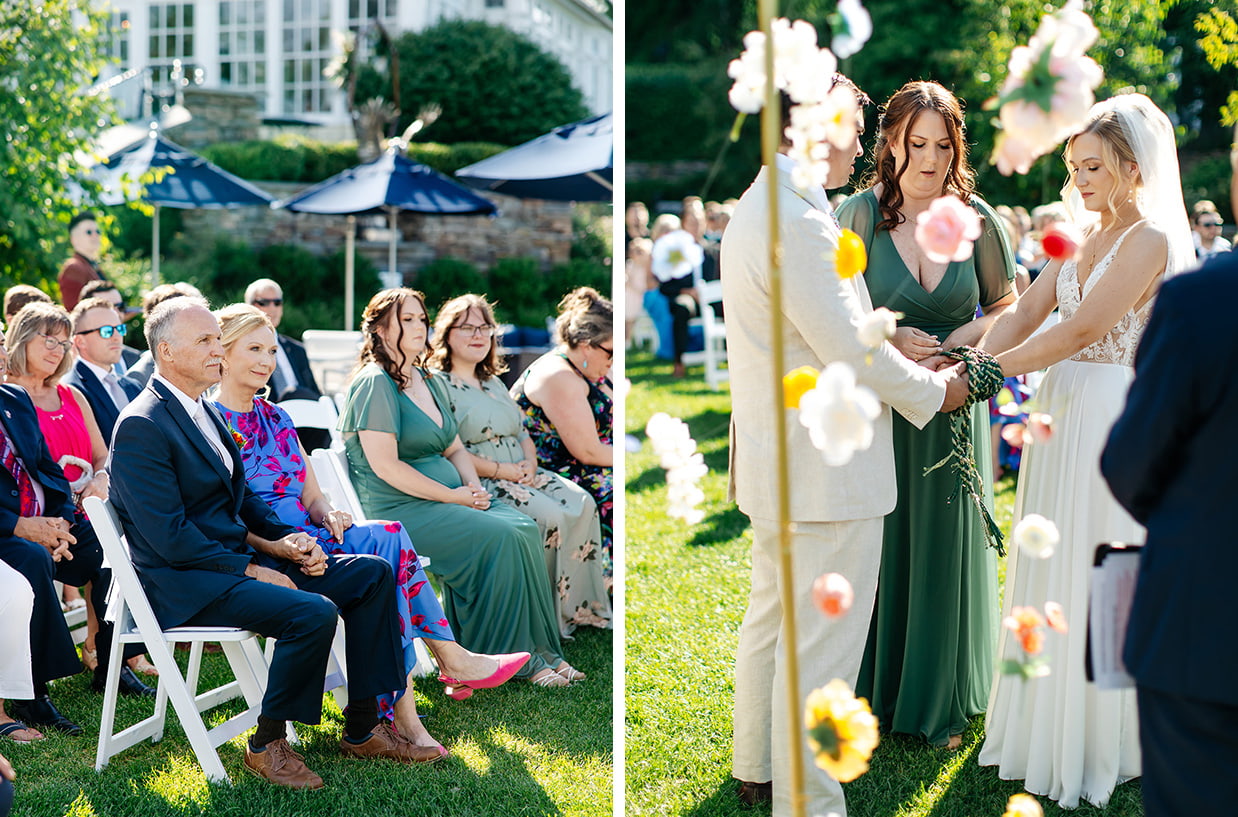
(496, 470)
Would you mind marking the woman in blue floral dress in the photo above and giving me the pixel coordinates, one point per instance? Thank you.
(567, 402)
(276, 469)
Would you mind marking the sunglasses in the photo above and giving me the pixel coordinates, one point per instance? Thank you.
(268, 302)
(106, 332)
(1211, 224)
(92, 232)
(610, 353)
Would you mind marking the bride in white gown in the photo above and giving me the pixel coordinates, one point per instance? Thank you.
(1064, 737)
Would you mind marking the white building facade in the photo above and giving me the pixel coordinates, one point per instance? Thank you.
(277, 49)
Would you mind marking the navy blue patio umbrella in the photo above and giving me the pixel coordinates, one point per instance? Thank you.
(188, 182)
(390, 183)
(571, 163)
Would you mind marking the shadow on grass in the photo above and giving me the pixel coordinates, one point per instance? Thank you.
(722, 801)
(719, 528)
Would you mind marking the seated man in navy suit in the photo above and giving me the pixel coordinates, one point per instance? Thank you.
(210, 552)
(108, 292)
(1169, 461)
(98, 338)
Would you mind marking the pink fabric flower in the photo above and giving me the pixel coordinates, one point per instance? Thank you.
(832, 594)
(947, 230)
(1061, 241)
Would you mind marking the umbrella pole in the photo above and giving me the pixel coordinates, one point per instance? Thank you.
(391, 246)
(350, 250)
(154, 260)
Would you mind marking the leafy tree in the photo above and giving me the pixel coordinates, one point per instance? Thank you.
(493, 84)
(48, 50)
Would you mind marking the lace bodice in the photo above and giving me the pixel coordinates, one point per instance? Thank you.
(1119, 344)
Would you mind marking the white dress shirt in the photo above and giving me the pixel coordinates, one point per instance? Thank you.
(197, 410)
(107, 376)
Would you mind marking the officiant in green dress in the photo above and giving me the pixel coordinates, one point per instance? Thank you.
(928, 663)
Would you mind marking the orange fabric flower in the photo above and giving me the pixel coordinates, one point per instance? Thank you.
(851, 258)
(1026, 624)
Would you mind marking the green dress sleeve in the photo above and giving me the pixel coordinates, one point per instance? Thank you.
(858, 214)
(372, 403)
(993, 256)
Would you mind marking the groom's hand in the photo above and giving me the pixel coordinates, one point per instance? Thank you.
(936, 362)
(956, 387)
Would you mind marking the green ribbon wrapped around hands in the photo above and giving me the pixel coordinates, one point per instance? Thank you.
(984, 379)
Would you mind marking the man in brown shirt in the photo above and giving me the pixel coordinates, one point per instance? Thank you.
(86, 238)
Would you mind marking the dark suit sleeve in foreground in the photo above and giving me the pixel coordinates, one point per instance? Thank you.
(145, 483)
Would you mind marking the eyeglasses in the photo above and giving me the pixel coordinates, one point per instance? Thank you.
(268, 302)
(610, 353)
(51, 343)
(106, 332)
(469, 329)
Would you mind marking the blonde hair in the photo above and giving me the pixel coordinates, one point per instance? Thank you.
(584, 317)
(457, 309)
(238, 320)
(1115, 150)
(31, 320)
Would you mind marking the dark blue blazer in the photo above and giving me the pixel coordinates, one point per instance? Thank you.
(185, 518)
(23, 429)
(300, 367)
(1169, 461)
(97, 396)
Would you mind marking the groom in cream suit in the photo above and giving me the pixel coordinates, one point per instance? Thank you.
(837, 511)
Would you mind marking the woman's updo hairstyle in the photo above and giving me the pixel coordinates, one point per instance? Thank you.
(584, 317)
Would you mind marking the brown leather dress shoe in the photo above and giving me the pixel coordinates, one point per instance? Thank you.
(752, 793)
(385, 741)
(282, 766)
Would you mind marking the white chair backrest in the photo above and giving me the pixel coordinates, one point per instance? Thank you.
(127, 602)
(332, 354)
(320, 413)
(710, 292)
(331, 470)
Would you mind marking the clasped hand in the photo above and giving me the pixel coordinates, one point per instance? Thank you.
(51, 532)
(472, 496)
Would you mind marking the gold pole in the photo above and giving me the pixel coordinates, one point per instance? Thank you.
(771, 139)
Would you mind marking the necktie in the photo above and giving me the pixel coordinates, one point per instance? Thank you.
(113, 387)
(25, 488)
(279, 382)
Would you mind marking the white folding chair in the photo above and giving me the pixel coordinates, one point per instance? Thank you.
(714, 330)
(320, 413)
(135, 622)
(332, 354)
(331, 470)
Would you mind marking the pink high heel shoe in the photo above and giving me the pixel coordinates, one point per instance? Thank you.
(509, 665)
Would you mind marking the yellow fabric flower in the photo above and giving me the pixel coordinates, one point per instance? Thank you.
(842, 730)
(851, 257)
(1023, 805)
(796, 383)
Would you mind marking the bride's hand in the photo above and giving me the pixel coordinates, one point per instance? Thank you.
(915, 344)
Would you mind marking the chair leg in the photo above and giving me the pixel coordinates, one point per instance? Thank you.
(195, 730)
(111, 691)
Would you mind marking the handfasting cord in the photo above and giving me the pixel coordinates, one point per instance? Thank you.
(984, 379)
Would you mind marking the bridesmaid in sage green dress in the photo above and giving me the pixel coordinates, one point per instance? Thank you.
(928, 663)
(407, 464)
(465, 353)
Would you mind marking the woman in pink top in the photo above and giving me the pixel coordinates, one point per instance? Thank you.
(39, 347)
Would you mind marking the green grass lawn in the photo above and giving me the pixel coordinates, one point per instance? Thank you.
(686, 592)
(516, 750)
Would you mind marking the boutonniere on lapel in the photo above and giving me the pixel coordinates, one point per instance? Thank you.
(237, 437)
(850, 258)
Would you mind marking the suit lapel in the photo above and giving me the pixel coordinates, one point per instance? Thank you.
(98, 395)
(191, 431)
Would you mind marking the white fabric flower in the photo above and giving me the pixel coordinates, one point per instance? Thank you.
(877, 327)
(802, 69)
(839, 414)
(672, 442)
(675, 255)
(857, 28)
(1036, 536)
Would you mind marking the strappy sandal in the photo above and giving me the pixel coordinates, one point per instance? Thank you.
(548, 678)
(90, 658)
(569, 673)
(12, 729)
(142, 665)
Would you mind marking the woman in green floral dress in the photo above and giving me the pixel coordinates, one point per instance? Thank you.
(465, 350)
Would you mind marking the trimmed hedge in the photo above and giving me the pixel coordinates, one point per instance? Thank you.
(289, 158)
